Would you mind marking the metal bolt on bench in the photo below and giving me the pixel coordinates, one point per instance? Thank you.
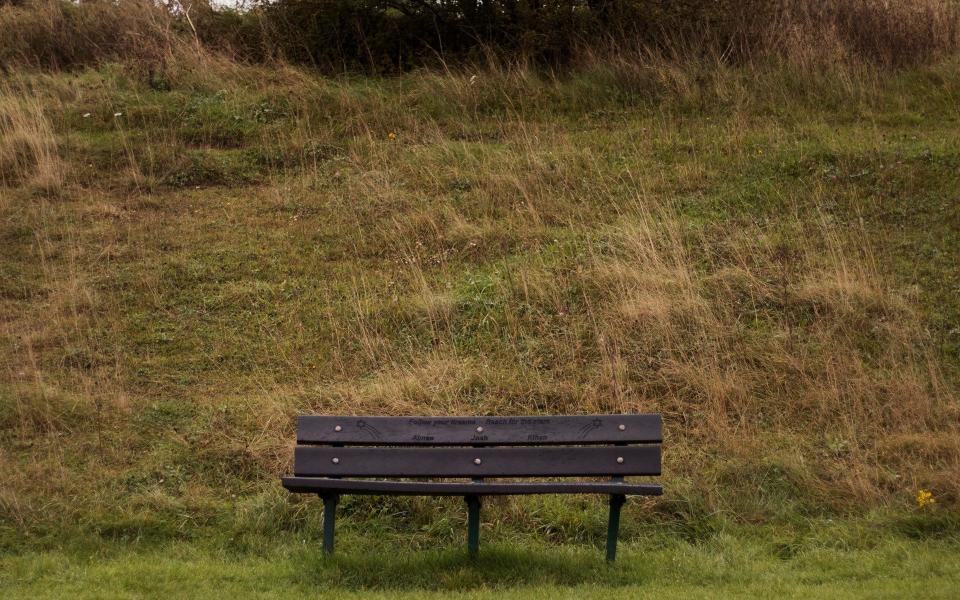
(331, 451)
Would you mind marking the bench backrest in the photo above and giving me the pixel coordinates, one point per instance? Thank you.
(562, 446)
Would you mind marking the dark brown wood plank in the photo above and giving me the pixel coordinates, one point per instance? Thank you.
(476, 462)
(480, 431)
(314, 485)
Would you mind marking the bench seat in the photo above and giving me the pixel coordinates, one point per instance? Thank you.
(320, 485)
(474, 457)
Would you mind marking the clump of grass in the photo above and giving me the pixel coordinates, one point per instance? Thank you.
(28, 147)
(897, 32)
(811, 33)
(62, 35)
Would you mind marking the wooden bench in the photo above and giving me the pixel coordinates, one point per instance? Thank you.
(331, 451)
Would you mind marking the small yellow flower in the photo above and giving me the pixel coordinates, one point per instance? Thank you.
(925, 498)
(392, 135)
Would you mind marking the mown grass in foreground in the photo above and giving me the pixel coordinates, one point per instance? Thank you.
(738, 564)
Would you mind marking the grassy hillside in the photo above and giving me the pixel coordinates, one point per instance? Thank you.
(768, 259)
(766, 254)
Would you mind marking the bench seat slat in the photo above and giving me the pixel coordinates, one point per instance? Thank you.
(320, 485)
(477, 462)
(480, 431)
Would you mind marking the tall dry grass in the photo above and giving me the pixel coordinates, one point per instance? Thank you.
(54, 34)
(754, 342)
(150, 35)
(890, 32)
(28, 146)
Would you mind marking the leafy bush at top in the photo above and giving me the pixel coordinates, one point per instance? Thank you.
(382, 36)
(391, 35)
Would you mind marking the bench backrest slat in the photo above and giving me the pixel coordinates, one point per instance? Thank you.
(480, 431)
(568, 461)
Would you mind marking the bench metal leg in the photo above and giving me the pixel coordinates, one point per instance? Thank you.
(613, 526)
(329, 520)
(473, 524)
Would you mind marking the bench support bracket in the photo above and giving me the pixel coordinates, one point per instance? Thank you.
(613, 525)
(473, 524)
(329, 520)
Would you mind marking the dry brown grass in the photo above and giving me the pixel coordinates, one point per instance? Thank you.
(149, 38)
(56, 34)
(891, 32)
(809, 35)
(766, 341)
(28, 147)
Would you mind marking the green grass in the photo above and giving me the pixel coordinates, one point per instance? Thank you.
(725, 566)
